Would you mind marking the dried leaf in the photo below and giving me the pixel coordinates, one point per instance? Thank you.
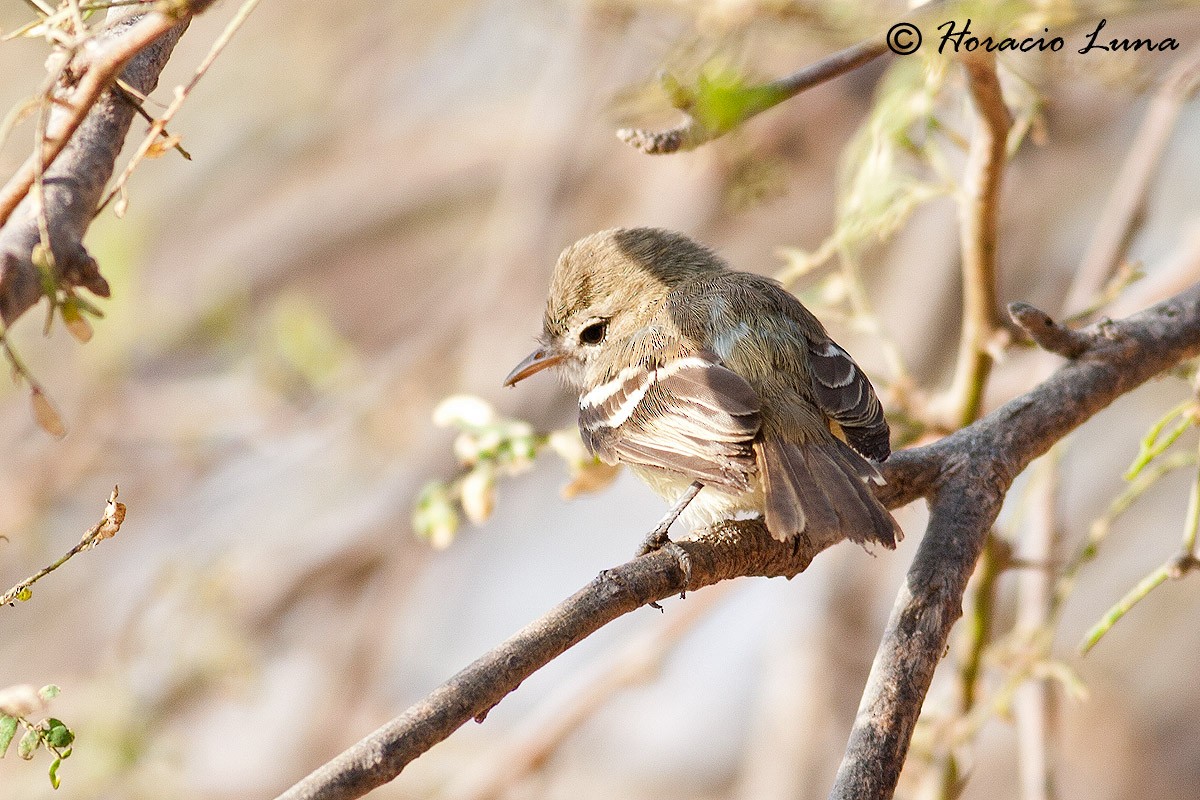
(46, 415)
(78, 326)
(160, 146)
(114, 515)
(591, 477)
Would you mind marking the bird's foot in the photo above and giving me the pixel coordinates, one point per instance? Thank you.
(659, 540)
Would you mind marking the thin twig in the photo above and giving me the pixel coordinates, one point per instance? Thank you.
(1125, 209)
(76, 180)
(1034, 700)
(139, 101)
(1102, 526)
(979, 212)
(158, 126)
(99, 71)
(1185, 561)
(106, 528)
(694, 132)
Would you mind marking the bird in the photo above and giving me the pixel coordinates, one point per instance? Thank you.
(718, 388)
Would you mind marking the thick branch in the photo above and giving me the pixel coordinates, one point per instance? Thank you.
(85, 133)
(978, 464)
(966, 474)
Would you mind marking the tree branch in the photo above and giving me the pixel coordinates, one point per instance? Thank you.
(694, 132)
(966, 475)
(979, 214)
(1048, 334)
(977, 466)
(84, 136)
(729, 550)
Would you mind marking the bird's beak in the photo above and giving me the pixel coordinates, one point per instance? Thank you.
(536, 361)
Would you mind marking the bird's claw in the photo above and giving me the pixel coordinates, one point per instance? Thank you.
(658, 540)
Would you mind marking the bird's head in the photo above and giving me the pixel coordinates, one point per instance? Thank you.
(606, 289)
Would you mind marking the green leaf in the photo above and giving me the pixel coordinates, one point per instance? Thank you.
(724, 98)
(86, 306)
(49, 692)
(54, 772)
(58, 734)
(434, 515)
(8, 729)
(29, 744)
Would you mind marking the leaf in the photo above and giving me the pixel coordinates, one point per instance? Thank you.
(160, 146)
(54, 772)
(434, 517)
(8, 729)
(29, 744)
(478, 495)
(49, 692)
(463, 411)
(45, 414)
(724, 98)
(591, 477)
(76, 324)
(58, 734)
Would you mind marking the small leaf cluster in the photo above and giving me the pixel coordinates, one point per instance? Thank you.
(18, 705)
(490, 446)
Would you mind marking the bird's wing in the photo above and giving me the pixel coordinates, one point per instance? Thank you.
(845, 394)
(761, 331)
(688, 415)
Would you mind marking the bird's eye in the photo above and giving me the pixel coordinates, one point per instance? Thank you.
(594, 333)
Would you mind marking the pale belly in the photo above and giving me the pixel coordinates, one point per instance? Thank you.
(710, 506)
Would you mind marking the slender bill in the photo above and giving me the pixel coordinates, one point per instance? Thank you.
(536, 361)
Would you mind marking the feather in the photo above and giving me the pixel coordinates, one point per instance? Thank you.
(690, 416)
(820, 491)
(844, 393)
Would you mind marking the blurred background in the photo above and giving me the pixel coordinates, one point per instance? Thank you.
(377, 195)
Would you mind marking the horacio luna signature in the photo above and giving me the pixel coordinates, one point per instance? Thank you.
(959, 39)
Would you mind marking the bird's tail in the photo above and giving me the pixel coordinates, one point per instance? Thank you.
(821, 491)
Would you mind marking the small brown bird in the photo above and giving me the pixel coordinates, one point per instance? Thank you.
(695, 375)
